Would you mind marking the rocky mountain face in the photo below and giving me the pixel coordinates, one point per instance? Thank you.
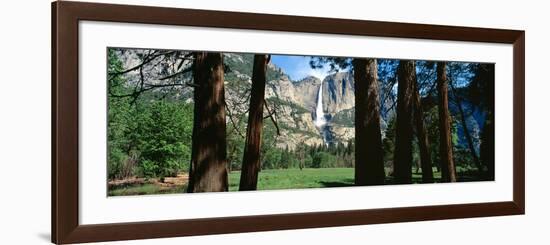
(307, 89)
(295, 102)
(338, 100)
(338, 92)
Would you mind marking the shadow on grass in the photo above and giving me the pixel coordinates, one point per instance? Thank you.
(463, 176)
(343, 183)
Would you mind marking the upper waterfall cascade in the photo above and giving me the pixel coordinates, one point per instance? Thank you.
(320, 119)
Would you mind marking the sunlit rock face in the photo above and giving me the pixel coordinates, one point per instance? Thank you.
(320, 111)
(339, 94)
(310, 111)
(330, 103)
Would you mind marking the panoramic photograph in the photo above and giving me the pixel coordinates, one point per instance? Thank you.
(196, 121)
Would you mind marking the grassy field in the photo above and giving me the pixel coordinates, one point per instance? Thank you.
(272, 179)
(275, 179)
(145, 189)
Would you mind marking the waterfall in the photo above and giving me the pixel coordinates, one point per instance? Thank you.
(320, 120)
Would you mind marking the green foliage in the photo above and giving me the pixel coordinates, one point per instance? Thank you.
(235, 150)
(345, 118)
(146, 137)
(296, 109)
(120, 123)
(145, 189)
(334, 63)
(115, 163)
(431, 122)
(164, 138)
(288, 159)
(272, 159)
(237, 103)
(148, 168)
(323, 160)
(463, 158)
(388, 142)
(292, 178)
(276, 179)
(304, 156)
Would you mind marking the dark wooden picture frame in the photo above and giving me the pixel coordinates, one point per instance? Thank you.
(65, 122)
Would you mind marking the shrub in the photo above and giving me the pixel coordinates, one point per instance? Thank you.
(164, 136)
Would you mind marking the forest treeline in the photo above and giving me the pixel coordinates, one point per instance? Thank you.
(152, 132)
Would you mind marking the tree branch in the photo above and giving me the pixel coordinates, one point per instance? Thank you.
(230, 114)
(188, 69)
(148, 58)
(271, 116)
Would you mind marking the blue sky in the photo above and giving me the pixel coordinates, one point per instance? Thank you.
(297, 67)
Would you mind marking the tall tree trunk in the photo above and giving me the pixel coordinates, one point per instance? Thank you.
(486, 73)
(208, 172)
(422, 135)
(251, 157)
(406, 75)
(469, 139)
(487, 147)
(369, 156)
(445, 143)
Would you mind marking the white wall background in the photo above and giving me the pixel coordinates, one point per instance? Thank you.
(25, 121)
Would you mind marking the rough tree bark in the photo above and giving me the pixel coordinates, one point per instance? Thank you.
(369, 156)
(422, 135)
(251, 157)
(406, 75)
(445, 144)
(208, 172)
(487, 146)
